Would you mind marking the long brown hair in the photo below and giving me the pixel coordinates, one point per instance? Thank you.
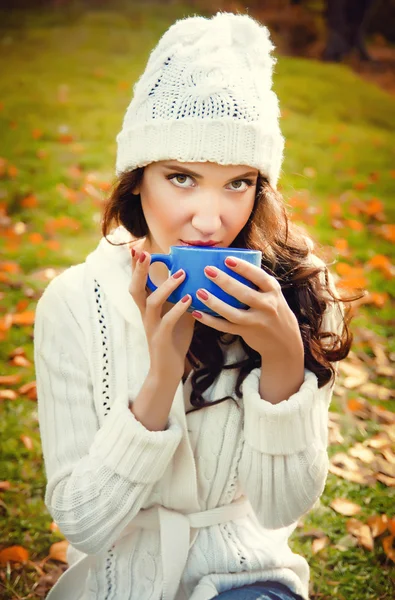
(284, 255)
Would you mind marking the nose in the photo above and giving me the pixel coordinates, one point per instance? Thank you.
(207, 216)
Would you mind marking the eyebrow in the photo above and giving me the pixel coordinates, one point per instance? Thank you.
(198, 176)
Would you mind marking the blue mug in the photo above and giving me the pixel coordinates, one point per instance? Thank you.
(193, 259)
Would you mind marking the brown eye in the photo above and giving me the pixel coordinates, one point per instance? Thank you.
(180, 179)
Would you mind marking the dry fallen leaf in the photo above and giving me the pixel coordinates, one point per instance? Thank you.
(388, 481)
(378, 524)
(362, 532)
(8, 395)
(319, 543)
(13, 554)
(364, 454)
(378, 441)
(372, 390)
(4, 485)
(58, 551)
(385, 467)
(345, 507)
(21, 361)
(27, 441)
(9, 379)
(389, 547)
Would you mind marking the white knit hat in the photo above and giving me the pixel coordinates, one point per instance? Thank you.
(205, 95)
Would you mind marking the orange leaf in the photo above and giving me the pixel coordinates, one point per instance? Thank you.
(10, 267)
(53, 245)
(377, 298)
(319, 543)
(388, 547)
(354, 225)
(21, 361)
(341, 245)
(8, 395)
(26, 441)
(36, 238)
(345, 507)
(373, 206)
(361, 532)
(388, 232)
(4, 485)
(22, 304)
(352, 283)
(359, 185)
(378, 524)
(354, 404)
(23, 318)
(9, 379)
(379, 261)
(58, 551)
(29, 389)
(335, 209)
(65, 138)
(12, 171)
(13, 554)
(391, 526)
(37, 134)
(29, 202)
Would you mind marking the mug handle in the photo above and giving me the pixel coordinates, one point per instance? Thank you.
(164, 258)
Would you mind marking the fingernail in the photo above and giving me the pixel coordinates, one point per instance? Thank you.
(202, 294)
(178, 274)
(142, 257)
(231, 262)
(133, 252)
(211, 272)
(197, 314)
(185, 298)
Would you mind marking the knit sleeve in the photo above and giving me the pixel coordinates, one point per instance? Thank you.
(98, 477)
(284, 462)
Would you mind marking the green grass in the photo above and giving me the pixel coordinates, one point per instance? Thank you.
(333, 122)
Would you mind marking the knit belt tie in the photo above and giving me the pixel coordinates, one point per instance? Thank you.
(175, 535)
(176, 538)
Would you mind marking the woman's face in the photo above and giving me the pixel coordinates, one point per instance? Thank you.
(190, 202)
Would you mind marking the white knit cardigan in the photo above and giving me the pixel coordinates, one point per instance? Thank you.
(103, 466)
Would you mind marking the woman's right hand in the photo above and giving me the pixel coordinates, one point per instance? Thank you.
(169, 335)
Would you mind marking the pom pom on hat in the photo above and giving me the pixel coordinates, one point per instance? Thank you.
(206, 95)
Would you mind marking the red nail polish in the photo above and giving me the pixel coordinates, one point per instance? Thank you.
(133, 252)
(231, 262)
(142, 257)
(197, 314)
(211, 272)
(202, 294)
(185, 298)
(178, 274)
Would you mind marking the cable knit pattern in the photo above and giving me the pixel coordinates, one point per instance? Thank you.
(206, 95)
(103, 466)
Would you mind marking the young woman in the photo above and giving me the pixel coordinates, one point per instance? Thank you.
(181, 448)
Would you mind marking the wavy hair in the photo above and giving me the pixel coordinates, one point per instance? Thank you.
(285, 252)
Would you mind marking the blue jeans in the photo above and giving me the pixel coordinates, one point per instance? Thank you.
(265, 590)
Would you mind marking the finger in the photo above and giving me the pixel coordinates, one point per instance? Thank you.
(156, 300)
(175, 313)
(134, 257)
(216, 323)
(235, 288)
(256, 275)
(139, 279)
(235, 316)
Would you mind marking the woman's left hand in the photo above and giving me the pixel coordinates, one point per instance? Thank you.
(269, 326)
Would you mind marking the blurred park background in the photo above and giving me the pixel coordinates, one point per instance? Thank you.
(67, 70)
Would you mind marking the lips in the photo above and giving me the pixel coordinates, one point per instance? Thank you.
(199, 243)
